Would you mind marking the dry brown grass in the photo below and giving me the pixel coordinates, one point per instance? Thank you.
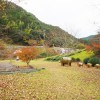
(54, 83)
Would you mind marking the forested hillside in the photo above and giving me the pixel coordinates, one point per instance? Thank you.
(91, 38)
(20, 27)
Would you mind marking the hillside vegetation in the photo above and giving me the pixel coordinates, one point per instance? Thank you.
(92, 38)
(80, 54)
(92, 42)
(20, 27)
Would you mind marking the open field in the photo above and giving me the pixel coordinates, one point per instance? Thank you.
(53, 83)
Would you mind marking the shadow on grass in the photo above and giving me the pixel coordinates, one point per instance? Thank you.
(21, 71)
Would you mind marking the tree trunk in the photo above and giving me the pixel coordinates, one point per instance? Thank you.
(28, 63)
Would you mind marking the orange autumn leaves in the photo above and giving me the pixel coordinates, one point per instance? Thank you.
(96, 46)
(93, 46)
(27, 54)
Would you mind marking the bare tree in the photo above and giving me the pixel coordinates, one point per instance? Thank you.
(73, 40)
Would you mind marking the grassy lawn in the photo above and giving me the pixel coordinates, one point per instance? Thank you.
(82, 55)
(53, 83)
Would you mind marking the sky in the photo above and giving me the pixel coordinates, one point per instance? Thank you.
(80, 18)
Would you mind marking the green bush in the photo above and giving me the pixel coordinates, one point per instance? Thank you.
(48, 59)
(54, 58)
(78, 59)
(70, 54)
(94, 60)
(86, 60)
(80, 46)
(73, 59)
(58, 57)
(79, 51)
(44, 54)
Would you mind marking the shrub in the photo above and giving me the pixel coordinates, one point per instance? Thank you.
(94, 61)
(48, 59)
(2, 45)
(71, 54)
(79, 51)
(54, 58)
(78, 59)
(73, 59)
(42, 55)
(86, 60)
(80, 46)
(57, 58)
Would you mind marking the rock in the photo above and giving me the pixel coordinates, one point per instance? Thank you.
(97, 65)
(79, 64)
(89, 65)
(7, 66)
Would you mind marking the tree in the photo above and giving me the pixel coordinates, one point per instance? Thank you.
(74, 41)
(2, 5)
(88, 47)
(27, 54)
(32, 42)
(95, 42)
(94, 45)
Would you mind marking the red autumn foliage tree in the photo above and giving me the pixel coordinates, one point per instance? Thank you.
(88, 48)
(27, 54)
(95, 42)
(96, 46)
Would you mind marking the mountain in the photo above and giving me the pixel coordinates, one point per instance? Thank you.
(91, 38)
(18, 26)
(88, 37)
